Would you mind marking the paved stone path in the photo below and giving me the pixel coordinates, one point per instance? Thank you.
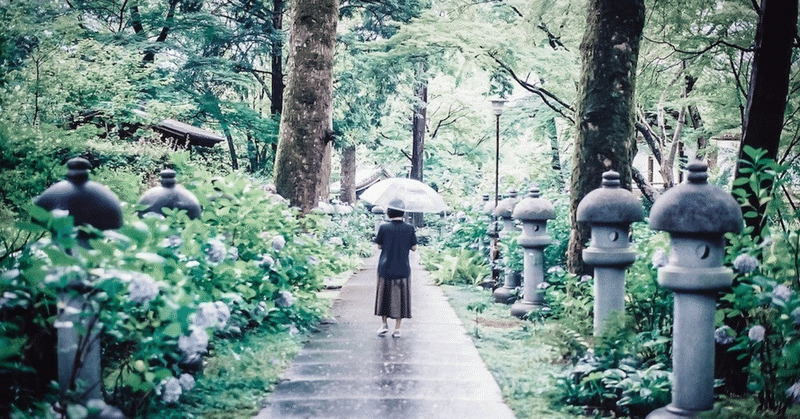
(346, 371)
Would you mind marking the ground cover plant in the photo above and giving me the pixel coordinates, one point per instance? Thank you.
(166, 291)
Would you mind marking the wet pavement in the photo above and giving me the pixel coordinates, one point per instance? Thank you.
(346, 371)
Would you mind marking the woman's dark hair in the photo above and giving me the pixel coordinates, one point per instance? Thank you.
(394, 213)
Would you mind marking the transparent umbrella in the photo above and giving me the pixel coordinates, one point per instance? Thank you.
(404, 194)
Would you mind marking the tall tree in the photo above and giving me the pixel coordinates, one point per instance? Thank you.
(604, 115)
(306, 129)
(766, 99)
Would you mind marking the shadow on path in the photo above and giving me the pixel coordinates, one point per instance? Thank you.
(346, 371)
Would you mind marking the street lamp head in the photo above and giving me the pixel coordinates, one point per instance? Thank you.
(497, 106)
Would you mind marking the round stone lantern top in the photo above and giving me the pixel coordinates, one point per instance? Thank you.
(505, 207)
(534, 208)
(88, 202)
(696, 207)
(609, 204)
(377, 209)
(170, 195)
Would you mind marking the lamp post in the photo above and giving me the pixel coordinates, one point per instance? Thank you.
(497, 109)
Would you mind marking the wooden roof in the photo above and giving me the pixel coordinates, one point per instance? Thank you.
(187, 135)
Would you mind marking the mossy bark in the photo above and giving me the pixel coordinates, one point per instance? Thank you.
(348, 189)
(306, 119)
(605, 117)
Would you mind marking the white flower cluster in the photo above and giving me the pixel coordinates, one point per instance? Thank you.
(172, 241)
(756, 333)
(286, 299)
(265, 262)
(171, 388)
(724, 335)
(660, 258)
(214, 314)
(793, 393)
(337, 241)
(142, 288)
(278, 243)
(782, 292)
(193, 345)
(215, 252)
(745, 263)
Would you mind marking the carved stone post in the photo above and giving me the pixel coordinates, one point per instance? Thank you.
(609, 210)
(78, 337)
(696, 215)
(378, 214)
(534, 212)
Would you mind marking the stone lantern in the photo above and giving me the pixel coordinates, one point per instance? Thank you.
(609, 210)
(90, 203)
(534, 212)
(696, 215)
(170, 195)
(503, 212)
(378, 213)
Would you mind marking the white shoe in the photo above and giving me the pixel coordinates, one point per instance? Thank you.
(396, 334)
(383, 330)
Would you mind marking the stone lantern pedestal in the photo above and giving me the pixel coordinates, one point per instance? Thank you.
(696, 215)
(534, 212)
(609, 210)
(378, 214)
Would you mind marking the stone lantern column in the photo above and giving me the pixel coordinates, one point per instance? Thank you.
(534, 212)
(504, 212)
(170, 195)
(609, 210)
(78, 347)
(696, 215)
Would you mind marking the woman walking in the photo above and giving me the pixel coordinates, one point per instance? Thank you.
(393, 299)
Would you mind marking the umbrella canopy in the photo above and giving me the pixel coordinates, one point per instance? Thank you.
(405, 195)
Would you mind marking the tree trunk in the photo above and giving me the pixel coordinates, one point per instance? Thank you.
(605, 111)
(348, 188)
(552, 132)
(305, 129)
(418, 133)
(324, 186)
(276, 59)
(769, 85)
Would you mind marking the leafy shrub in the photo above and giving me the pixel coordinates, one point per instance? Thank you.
(164, 289)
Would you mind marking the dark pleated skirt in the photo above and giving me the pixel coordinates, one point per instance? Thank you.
(393, 298)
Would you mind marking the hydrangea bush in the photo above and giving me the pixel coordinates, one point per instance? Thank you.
(163, 289)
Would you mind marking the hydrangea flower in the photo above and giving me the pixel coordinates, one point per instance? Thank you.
(337, 241)
(312, 260)
(793, 393)
(585, 278)
(782, 292)
(172, 241)
(555, 270)
(796, 316)
(278, 243)
(756, 333)
(233, 253)
(186, 381)
(265, 262)
(215, 252)
(170, 390)
(214, 314)
(142, 288)
(745, 263)
(660, 258)
(542, 285)
(724, 335)
(194, 344)
(286, 299)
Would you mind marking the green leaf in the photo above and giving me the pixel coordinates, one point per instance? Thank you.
(173, 330)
